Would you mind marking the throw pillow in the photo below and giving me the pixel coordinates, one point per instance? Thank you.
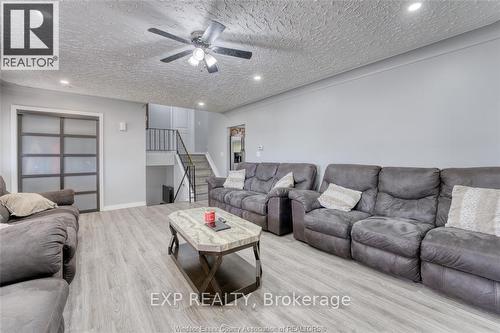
(235, 179)
(340, 198)
(4, 214)
(24, 204)
(475, 209)
(286, 182)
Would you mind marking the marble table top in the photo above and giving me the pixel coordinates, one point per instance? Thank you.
(190, 224)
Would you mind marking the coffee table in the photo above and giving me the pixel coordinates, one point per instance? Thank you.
(208, 259)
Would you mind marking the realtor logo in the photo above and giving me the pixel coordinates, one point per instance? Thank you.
(30, 35)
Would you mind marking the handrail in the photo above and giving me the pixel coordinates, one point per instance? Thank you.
(179, 139)
(166, 139)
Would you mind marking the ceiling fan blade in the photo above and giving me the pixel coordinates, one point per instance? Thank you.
(211, 69)
(166, 34)
(213, 31)
(177, 56)
(232, 52)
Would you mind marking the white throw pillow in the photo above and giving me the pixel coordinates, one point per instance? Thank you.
(24, 204)
(340, 198)
(475, 209)
(286, 182)
(235, 179)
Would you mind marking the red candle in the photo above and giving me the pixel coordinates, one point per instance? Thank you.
(210, 216)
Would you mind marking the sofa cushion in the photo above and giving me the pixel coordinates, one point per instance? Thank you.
(219, 193)
(249, 172)
(264, 177)
(67, 214)
(408, 193)
(255, 204)
(304, 174)
(235, 197)
(488, 177)
(357, 177)
(463, 250)
(29, 250)
(333, 222)
(33, 306)
(397, 235)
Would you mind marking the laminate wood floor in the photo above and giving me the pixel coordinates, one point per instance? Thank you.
(122, 258)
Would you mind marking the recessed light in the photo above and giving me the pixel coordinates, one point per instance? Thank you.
(64, 82)
(201, 103)
(257, 77)
(414, 6)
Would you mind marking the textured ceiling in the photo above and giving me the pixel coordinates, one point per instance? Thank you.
(105, 49)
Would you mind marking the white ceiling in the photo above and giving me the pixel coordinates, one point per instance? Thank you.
(105, 49)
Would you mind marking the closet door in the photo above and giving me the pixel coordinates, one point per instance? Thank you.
(81, 165)
(57, 152)
(39, 153)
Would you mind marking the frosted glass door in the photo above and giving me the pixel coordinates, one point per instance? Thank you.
(80, 162)
(57, 152)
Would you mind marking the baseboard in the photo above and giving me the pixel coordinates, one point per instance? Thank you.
(125, 205)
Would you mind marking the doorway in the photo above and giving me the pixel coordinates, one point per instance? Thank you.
(236, 146)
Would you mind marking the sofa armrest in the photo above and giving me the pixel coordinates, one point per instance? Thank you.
(279, 192)
(214, 182)
(62, 197)
(31, 250)
(308, 198)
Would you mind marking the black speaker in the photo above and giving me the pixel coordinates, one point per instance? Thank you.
(167, 194)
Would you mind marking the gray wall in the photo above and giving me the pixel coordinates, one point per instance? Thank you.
(124, 152)
(436, 106)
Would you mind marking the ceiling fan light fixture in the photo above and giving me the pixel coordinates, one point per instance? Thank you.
(198, 54)
(192, 61)
(210, 60)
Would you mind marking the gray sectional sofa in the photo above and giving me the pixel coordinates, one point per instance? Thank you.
(37, 263)
(258, 202)
(398, 227)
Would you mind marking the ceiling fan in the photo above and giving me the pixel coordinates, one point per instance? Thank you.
(203, 43)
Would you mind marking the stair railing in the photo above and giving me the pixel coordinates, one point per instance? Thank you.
(188, 167)
(164, 139)
(160, 139)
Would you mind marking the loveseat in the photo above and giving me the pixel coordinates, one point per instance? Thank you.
(258, 202)
(398, 227)
(37, 263)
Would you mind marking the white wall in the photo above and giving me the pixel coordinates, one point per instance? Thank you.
(124, 152)
(438, 106)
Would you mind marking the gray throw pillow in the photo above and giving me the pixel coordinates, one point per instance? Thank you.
(4, 214)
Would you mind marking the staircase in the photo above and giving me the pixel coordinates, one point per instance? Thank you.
(196, 167)
(202, 172)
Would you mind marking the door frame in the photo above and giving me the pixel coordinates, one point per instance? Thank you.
(13, 139)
